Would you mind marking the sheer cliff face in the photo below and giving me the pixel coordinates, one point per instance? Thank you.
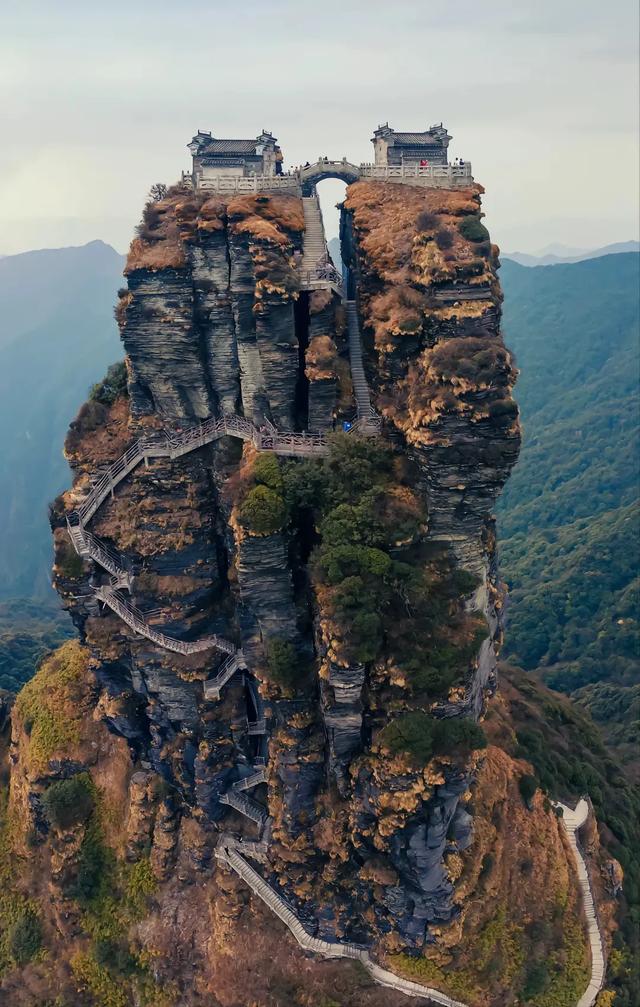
(361, 587)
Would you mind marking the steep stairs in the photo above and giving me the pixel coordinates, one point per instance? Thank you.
(246, 806)
(368, 420)
(572, 819)
(230, 853)
(316, 271)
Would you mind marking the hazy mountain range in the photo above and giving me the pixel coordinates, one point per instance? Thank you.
(554, 254)
(57, 337)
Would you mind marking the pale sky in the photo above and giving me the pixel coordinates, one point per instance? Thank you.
(98, 101)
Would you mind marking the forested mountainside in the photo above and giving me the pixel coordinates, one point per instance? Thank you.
(568, 519)
(57, 336)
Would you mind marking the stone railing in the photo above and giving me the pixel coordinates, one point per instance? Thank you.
(245, 806)
(435, 175)
(243, 183)
(175, 445)
(446, 176)
(322, 277)
(213, 686)
(138, 621)
(253, 780)
(230, 853)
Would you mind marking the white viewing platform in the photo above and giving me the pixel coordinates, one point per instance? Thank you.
(302, 181)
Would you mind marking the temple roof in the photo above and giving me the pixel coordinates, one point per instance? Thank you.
(229, 146)
(418, 138)
(205, 143)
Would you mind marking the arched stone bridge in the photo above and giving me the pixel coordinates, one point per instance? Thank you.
(313, 173)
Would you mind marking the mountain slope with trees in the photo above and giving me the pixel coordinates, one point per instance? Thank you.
(568, 519)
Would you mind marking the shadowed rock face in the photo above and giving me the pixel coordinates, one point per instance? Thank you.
(213, 322)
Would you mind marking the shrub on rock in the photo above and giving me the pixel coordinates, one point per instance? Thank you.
(69, 802)
(473, 229)
(262, 511)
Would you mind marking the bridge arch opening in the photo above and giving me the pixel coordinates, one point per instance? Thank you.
(331, 194)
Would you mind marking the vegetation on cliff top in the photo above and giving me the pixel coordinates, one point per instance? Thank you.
(180, 217)
(502, 949)
(381, 591)
(51, 707)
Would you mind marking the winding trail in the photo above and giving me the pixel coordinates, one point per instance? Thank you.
(229, 853)
(572, 820)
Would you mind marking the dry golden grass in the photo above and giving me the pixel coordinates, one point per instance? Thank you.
(165, 254)
(321, 358)
(52, 707)
(386, 218)
(211, 216)
(319, 300)
(98, 437)
(284, 212)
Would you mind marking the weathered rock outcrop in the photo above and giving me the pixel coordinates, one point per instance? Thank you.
(357, 593)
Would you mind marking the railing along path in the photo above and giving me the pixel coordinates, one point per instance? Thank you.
(433, 175)
(230, 853)
(572, 820)
(317, 273)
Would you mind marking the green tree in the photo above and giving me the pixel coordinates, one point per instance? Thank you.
(24, 937)
(262, 511)
(69, 802)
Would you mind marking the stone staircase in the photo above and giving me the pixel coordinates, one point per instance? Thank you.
(172, 446)
(213, 686)
(253, 780)
(230, 853)
(138, 622)
(246, 806)
(368, 420)
(572, 819)
(315, 245)
(316, 271)
(257, 726)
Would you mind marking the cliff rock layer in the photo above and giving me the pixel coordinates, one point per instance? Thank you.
(286, 651)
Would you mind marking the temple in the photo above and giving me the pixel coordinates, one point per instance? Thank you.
(410, 148)
(256, 165)
(213, 157)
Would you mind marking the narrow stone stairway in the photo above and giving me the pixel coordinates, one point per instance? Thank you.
(315, 245)
(366, 413)
(230, 853)
(246, 806)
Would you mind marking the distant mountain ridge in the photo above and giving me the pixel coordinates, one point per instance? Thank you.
(57, 337)
(552, 258)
